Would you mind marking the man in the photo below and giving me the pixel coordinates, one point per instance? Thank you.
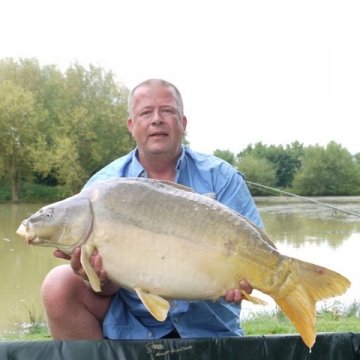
(157, 124)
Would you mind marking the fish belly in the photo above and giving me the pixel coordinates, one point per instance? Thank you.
(175, 267)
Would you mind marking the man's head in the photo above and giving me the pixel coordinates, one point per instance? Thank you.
(156, 118)
(157, 82)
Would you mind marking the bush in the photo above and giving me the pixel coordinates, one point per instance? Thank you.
(32, 193)
(5, 193)
(258, 171)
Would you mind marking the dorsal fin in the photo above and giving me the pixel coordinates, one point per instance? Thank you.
(177, 186)
(186, 188)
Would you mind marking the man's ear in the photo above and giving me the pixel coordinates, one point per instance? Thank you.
(130, 126)
(184, 123)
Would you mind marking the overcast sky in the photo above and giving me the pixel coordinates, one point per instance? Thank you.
(271, 71)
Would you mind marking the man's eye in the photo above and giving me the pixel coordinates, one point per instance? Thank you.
(167, 111)
(145, 113)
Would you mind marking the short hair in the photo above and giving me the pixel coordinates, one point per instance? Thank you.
(160, 82)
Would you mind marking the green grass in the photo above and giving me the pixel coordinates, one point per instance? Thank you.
(27, 332)
(34, 328)
(330, 318)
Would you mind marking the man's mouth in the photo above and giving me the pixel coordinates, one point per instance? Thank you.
(158, 134)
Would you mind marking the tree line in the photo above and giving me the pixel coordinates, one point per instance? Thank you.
(312, 171)
(57, 128)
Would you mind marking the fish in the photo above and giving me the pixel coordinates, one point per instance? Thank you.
(166, 242)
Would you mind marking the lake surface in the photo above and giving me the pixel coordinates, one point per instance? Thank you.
(303, 230)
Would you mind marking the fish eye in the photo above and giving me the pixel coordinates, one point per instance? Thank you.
(48, 214)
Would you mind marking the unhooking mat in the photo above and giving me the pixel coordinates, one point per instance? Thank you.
(328, 346)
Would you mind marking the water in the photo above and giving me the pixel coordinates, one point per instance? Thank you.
(23, 268)
(305, 231)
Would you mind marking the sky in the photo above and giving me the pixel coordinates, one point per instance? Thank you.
(270, 71)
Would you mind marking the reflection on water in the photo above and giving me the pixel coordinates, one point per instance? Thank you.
(297, 228)
(304, 231)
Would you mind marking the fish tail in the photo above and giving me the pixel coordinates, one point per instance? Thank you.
(315, 283)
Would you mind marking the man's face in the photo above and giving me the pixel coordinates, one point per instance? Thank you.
(156, 123)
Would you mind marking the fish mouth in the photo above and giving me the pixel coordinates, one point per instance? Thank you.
(27, 233)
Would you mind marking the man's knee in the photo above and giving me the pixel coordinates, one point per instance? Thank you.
(60, 287)
(64, 293)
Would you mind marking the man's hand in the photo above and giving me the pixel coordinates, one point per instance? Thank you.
(235, 295)
(96, 263)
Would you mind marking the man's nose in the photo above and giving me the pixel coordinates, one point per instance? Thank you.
(157, 117)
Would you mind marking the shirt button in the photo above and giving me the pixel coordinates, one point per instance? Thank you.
(176, 319)
(150, 335)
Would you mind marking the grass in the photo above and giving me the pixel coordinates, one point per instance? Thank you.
(33, 329)
(334, 317)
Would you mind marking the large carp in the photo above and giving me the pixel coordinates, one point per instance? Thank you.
(164, 241)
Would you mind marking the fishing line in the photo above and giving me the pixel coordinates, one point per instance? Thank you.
(279, 192)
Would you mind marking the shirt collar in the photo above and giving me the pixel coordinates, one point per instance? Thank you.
(181, 163)
(137, 170)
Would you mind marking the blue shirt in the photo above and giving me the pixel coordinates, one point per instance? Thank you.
(127, 317)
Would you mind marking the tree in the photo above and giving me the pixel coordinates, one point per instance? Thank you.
(56, 127)
(357, 158)
(327, 171)
(88, 110)
(257, 170)
(226, 155)
(285, 160)
(19, 119)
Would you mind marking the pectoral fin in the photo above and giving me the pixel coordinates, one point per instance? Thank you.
(253, 299)
(86, 253)
(157, 306)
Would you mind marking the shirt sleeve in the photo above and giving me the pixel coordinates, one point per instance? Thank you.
(232, 191)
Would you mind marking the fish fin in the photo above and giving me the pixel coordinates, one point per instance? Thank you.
(86, 253)
(253, 299)
(177, 186)
(186, 188)
(315, 283)
(157, 306)
(210, 195)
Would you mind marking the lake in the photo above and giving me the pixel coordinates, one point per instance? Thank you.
(303, 230)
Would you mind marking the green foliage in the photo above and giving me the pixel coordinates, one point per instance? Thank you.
(42, 193)
(285, 160)
(20, 120)
(226, 155)
(5, 193)
(32, 193)
(60, 125)
(88, 111)
(357, 159)
(257, 170)
(327, 171)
